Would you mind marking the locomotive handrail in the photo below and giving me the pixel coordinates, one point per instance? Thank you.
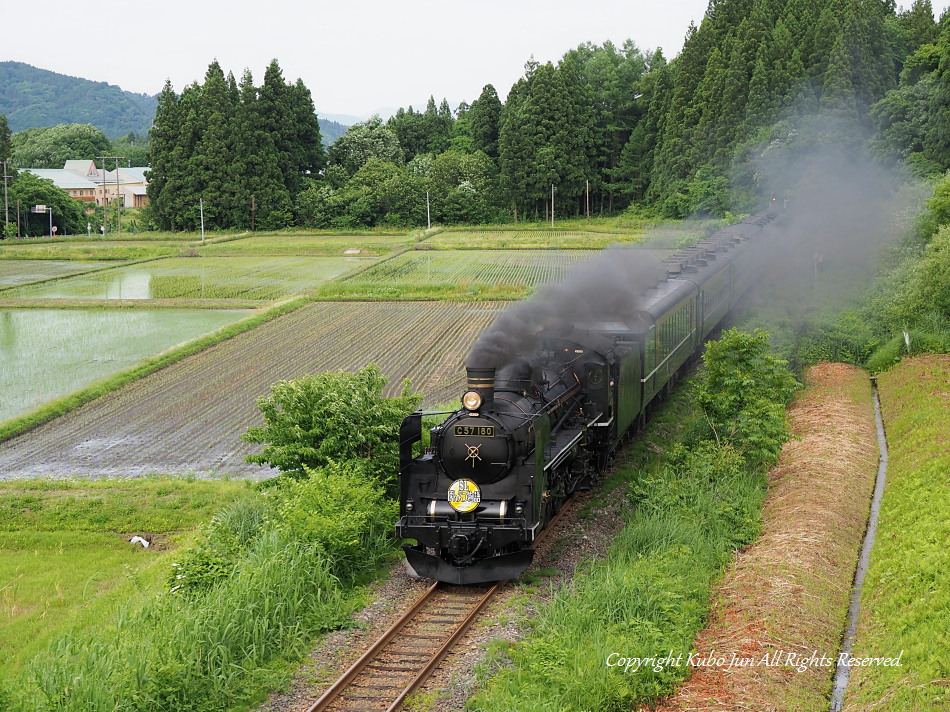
(561, 455)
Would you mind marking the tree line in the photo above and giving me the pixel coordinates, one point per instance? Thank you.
(604, 129)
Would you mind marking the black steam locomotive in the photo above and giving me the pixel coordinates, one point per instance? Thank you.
(545, 423)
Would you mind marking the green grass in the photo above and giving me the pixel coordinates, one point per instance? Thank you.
(211, 647)
(905, 603)
(66, 561)
(86, 250)
(530, 239)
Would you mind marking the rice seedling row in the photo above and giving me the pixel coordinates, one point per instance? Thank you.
(522, 267)
(310, 245)
(16, 272)
(529, 239)
(188, 418)
(263, 278)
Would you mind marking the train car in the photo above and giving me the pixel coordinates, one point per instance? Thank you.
(544, 425)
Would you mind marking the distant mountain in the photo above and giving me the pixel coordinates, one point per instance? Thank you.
(330, 131)
(32, 97)
(342, 119)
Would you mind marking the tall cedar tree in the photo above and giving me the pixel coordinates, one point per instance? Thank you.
(612, 77)
(244, 152)
(262, 200)
(211, 161)
(411, 132)
(752, 62)
(6, 143)
(545, 138)
(485, 117)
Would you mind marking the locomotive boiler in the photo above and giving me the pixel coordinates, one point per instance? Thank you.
(543, 424)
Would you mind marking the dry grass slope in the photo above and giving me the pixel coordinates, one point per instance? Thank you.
(788, 593)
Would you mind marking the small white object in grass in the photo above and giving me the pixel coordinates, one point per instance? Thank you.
(139, 540)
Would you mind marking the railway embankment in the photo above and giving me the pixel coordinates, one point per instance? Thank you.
(775, 627)
(905, 603)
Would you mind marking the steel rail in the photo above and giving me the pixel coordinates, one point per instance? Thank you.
(366, 658)
(446, 648)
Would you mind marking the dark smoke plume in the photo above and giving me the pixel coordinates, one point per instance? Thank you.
(610, 287)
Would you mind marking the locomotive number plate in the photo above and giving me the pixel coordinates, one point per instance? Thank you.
(484, 431)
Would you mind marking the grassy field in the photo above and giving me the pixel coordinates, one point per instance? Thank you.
(67, 563)
(196, 278)
(905, 603)
(92, 250)
(49, 353)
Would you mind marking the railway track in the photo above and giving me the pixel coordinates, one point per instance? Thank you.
(411, 649)
(406, 654)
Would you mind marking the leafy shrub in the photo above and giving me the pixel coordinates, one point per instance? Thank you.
(181, 654)
(848, 339)
(743, 391)
(344, 513)
(318, 419)
(938, 210)
(929, 287)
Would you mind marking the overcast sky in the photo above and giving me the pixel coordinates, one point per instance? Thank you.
(356, 57)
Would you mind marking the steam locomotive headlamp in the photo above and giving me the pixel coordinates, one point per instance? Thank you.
(472, 400)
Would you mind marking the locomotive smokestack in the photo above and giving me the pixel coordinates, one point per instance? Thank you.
(482, 382)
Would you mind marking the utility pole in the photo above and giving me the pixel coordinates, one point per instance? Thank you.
(105, 200)
(6, 204)
(552, 205)
(201, 210)
(253, 209)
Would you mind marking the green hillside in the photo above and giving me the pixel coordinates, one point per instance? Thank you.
(33, 97)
